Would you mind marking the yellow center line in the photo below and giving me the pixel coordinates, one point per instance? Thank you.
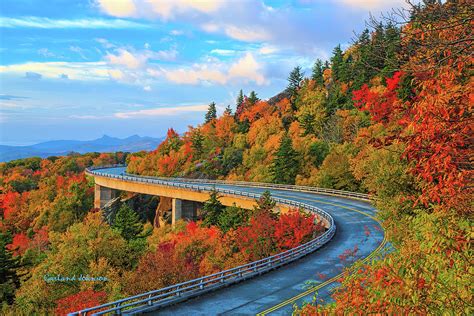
(314, 289)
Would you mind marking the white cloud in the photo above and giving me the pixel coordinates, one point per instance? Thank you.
(141, 68)
(74, 70)
(164, 111)
(373, 4)
(168, 9)
(120, 8)
(138, 59)
(240, 32)
(223, 52)
(11, 105)
(165, 9)
(244, 69)
(116, 74)
(247, 34)
(247, 68)
(46, 23)
(317, 25)
(268, 49)
(197, 75)
(127, 59)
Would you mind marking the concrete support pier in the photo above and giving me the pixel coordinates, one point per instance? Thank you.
(184, 209)
(102, 195)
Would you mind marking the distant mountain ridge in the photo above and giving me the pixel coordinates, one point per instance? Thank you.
(106, 143)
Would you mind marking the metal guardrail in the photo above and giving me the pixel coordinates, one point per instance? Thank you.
(349, 194)
(178, 292)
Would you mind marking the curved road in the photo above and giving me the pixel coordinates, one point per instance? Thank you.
(275, 293)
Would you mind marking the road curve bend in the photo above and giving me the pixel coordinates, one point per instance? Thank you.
(275, 293)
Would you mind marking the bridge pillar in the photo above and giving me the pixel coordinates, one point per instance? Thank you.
(102, 195)
(183, 209)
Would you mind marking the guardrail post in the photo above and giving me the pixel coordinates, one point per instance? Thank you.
(118, 311)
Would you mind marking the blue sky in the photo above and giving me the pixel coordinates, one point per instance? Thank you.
(79, 69)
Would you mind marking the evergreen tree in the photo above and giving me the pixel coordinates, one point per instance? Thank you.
(127, 223)
(317, 74)
(337, 100)
(228, 110)
(253, 98)
(197, 143)
(318, 151)
(294, 82)
(326, 65)
(243, 126)
(265, 202)
(212, 209)
(285, 164)
(337, 64)
(307, 122)
(362, 71)
(240, 99)
(232, 158)
(211, 112)
(392, 50)
(232, 217)
(377, 54)
(9, 265)
(239, 106)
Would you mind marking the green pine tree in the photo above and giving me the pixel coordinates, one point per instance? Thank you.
(307, 122)
(240, 99)
(239, 104)
(127, 223)
(337, 64)
(228, 110)
(9, 265)
(211, 112)
(294, 84)
(294, 80)
(318, 151)
(265, 202)
(285, 165)
(253, 98)
(197, 143)
(212, 209)
(317, 74)
(232, 217)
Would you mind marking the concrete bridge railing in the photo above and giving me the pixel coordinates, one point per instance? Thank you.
(185, 290)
